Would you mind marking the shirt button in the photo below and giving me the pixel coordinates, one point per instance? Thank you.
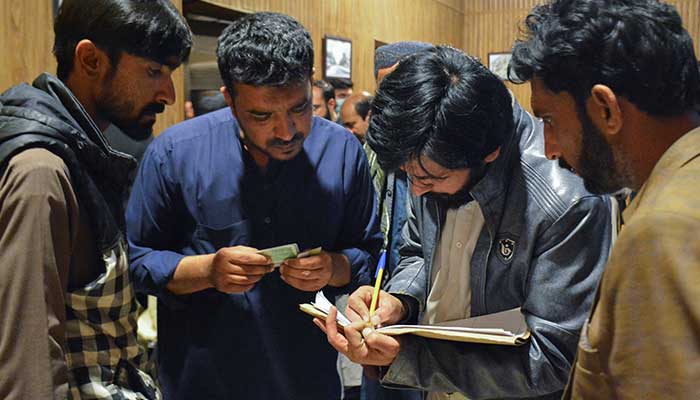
(389, 193)
(267, 220)
(459, 245)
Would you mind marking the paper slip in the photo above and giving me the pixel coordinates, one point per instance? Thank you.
(280, 253)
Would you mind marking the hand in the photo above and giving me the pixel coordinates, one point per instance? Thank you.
(372, 349)
(309, 274)
(389, 311)
(237, 269)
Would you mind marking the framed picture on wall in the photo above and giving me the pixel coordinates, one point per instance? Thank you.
(337, 57)
(498, 64)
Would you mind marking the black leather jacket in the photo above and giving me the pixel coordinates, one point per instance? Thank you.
(543, 247)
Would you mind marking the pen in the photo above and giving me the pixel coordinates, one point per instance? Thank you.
(377, 284)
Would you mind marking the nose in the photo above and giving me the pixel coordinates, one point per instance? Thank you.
(419, 190)
(166, 92)
(551, 146)
(285, 129)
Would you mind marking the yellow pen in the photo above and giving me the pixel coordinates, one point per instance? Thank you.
(377, 284)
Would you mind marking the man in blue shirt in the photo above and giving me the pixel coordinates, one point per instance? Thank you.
(213, 190)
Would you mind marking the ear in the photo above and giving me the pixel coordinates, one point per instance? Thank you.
(493, 156)
(90, 61)
(603, 108)
(227, 96)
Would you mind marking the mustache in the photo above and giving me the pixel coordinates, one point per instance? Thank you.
(153, 108)
(281, 143)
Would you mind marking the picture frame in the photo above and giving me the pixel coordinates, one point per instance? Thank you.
(337, 57)
(498, 64)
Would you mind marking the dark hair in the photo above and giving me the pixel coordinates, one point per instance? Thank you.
(443, 104)
(265, 49)
(326, 89)
(636, 47)
(340, 83)
(363, 106)
(151, 29)
(206, 101)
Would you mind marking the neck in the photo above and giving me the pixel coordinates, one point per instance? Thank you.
(81, 89)
(652, 137)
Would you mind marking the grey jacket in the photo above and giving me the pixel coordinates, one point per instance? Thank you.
(543, 247)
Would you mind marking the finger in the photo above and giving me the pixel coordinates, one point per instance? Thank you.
(338, 341)
(245, 255)
(359, 302)
(320, 325)
(306, 263)
(305, 285)
(242, 280)
(301, 274)
(248, 270)
(386, 346)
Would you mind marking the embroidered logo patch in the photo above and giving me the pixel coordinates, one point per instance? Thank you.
(506, 249)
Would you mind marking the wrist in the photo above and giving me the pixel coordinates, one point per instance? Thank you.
(340, 270)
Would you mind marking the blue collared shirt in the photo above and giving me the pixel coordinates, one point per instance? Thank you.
(197, 191)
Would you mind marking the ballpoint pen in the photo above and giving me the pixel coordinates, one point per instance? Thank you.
(377, 284)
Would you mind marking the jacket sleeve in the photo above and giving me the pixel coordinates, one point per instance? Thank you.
(564, 271)
(37, 210)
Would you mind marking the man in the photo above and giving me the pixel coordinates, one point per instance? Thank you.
(493, 225)
(628, 117)
(213, 190)
(67, 326)
(324, 100)
(355, 114)
(392, 195)
(342, 89)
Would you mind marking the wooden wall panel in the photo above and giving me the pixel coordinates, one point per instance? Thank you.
(26, 39)
(493, 25)
(176, 112)
(364, 21)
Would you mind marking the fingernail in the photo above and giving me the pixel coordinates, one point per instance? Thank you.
(366, 332)
(376, 320)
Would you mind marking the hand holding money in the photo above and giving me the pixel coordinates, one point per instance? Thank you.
(238, 269)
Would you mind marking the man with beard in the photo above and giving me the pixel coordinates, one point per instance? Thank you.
(628, 117)
(492, 225)
(68, 320)
(324, 100)
(215, 189)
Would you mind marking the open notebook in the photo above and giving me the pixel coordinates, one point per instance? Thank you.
(505, 327)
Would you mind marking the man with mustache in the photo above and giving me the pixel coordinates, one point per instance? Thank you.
(617, 86)
(68, 320)
(215, 189)
(492, 225)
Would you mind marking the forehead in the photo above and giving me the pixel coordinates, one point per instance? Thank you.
(425, 166)
(544, 100)
(318, 94)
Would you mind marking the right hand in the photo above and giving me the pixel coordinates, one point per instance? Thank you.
(237, 269)
(389, 309)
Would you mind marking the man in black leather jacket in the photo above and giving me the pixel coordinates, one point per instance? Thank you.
(493, 225)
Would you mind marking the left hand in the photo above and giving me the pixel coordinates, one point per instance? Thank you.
(372, 349)
(309, 274)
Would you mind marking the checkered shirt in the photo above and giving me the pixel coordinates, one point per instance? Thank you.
(103, 356)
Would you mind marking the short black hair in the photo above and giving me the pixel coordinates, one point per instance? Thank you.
(363, 106)
(341, 83)
(638, 48)
(442, 104)
(326, 89)
(206, 101)
(151, 29)
(265, 49)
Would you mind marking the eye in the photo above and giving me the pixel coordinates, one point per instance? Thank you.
(301, 109)
(261, 117)
(154, 72)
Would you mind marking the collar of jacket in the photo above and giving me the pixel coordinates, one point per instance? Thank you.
(50, 103)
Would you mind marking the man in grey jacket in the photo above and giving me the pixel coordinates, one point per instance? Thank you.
(493, 225)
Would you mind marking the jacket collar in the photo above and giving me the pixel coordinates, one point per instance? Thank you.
(49, 102)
